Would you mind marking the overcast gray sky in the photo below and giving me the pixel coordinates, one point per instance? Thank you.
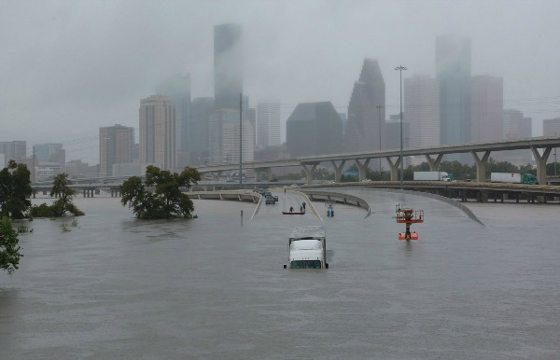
(69, 67)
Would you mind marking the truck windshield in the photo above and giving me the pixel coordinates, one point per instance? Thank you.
(305, 264)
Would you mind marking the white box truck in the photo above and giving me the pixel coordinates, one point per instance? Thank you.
(307, 248)
(431, 176)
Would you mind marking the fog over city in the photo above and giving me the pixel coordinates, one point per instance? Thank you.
(70, 67)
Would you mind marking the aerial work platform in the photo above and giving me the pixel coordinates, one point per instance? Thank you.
(408, 217)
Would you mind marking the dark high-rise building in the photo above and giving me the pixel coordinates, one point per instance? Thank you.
(178, 88)
(228, 65)
(314, 129)
(201, 110)
(366, 111)
(453, 70)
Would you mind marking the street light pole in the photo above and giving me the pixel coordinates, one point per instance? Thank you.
(401, 68)
(240, 140)
(379, 107)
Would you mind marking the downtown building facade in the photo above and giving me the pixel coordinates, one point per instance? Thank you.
(226, 131)
(228, 65)
(49, 160)
(202, 109)
(366, 111)
(13, 150)
(453, 71)
(421, 107)
(515, 126)
(232, 121)
(178, 89)
(157, 132)
(116, 145)
(314, 129)
(487, 108)
(268, 124)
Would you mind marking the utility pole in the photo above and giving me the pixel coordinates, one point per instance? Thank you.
(379, 107)
(240, 140)
(401, 68)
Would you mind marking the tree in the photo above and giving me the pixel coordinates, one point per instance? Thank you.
(160, 196)
(64, 204)
(15, 190)
(9, 246)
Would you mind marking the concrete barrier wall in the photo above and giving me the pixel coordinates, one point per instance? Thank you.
(320, 195)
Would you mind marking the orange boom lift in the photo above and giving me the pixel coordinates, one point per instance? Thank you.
(408, 217)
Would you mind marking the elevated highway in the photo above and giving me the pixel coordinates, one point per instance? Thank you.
(541, 148)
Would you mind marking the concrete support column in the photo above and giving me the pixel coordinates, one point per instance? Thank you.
(434, 164)
(394, 168)
(481, 165)
(216, 175)
(309, 171)
(338, 170)
(362, 167)
(541, 163)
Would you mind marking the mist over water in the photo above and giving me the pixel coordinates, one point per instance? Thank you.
(115, 287)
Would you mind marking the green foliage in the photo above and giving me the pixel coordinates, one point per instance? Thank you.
(160, 196)
(9, 246)
(15, 189)
(63, 205)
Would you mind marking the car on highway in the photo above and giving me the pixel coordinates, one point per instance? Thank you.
(269, 200)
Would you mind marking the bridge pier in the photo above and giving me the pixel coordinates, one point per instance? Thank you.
(115, 192)
(338, 170)
(541, 163)
(394, 168)
(88, 192)
(309, 172)
(481, 165)
(362, 168)
(434, 164)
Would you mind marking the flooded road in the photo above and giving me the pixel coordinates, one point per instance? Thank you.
(114, 287)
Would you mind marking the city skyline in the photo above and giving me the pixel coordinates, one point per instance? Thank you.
(93, 72)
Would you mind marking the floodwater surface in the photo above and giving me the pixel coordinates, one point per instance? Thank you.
(114, 287)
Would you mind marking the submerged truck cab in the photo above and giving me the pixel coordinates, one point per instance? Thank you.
(307, 248)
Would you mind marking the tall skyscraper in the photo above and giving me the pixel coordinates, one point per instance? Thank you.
(487, 107)
(421, 107)
(116, 144)
(201, 110)
(178, 88)
(314, 129)
(268, 124)
(453, 70)
(157, 132)
(13, 150)
(224, 137)
(366, 110)
(228, 65)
